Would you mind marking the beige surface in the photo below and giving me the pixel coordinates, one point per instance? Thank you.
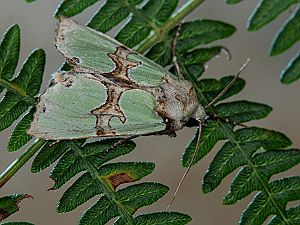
(38, 26)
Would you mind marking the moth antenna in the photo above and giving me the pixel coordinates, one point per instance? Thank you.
(229, 85)
(175, 61)
(188, 168)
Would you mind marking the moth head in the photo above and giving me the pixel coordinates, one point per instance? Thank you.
(198, 118)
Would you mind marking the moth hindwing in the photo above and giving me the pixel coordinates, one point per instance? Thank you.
(111, 91)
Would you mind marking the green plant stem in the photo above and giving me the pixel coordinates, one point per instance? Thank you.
(104, 185)
(17, 90)
(157, 37)
(19, 162)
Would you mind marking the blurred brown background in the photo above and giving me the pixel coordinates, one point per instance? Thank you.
(37, 26)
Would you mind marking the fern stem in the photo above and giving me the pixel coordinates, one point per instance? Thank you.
(104, 185)
(156, 37)
(18, 90)
(19, 162)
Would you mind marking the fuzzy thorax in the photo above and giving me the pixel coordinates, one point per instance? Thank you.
(177, 103)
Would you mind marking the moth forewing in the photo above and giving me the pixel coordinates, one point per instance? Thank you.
(111, 91)
(90, 51)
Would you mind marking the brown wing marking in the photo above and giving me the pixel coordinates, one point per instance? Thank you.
(111, 107)
(120, 58)
(109, 110)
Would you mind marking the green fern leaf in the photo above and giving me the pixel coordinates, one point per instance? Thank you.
(288, 35)
(202, 32)
(165, 11)
(281, 192)
(266, 164)
(19, 137)
(110, 15)
(132, 197)
(231, 156)
(83, 189)
(166, 218)
(29, 1)
(67, 167)
(10, 204)
(201, 55)
(145, 20)
(9, 52)
(48, 154)
(292, 71)
(267, 11)
(70, 164)
(139, 195)
(242, 111)
(72, 7)
(11, 108)
(210, 88)
(99, 213)
(293, 217)
(31, 75)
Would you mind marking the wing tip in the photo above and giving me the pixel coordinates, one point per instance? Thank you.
(64, 25)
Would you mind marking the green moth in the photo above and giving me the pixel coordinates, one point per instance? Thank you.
(110, 91)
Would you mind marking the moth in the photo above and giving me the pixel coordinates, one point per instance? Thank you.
(111, 91)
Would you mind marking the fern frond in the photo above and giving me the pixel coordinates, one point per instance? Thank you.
(20, 91)
(132, 197)
(102, 179)
(270, 202)
(267, 11)
(254, 149)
